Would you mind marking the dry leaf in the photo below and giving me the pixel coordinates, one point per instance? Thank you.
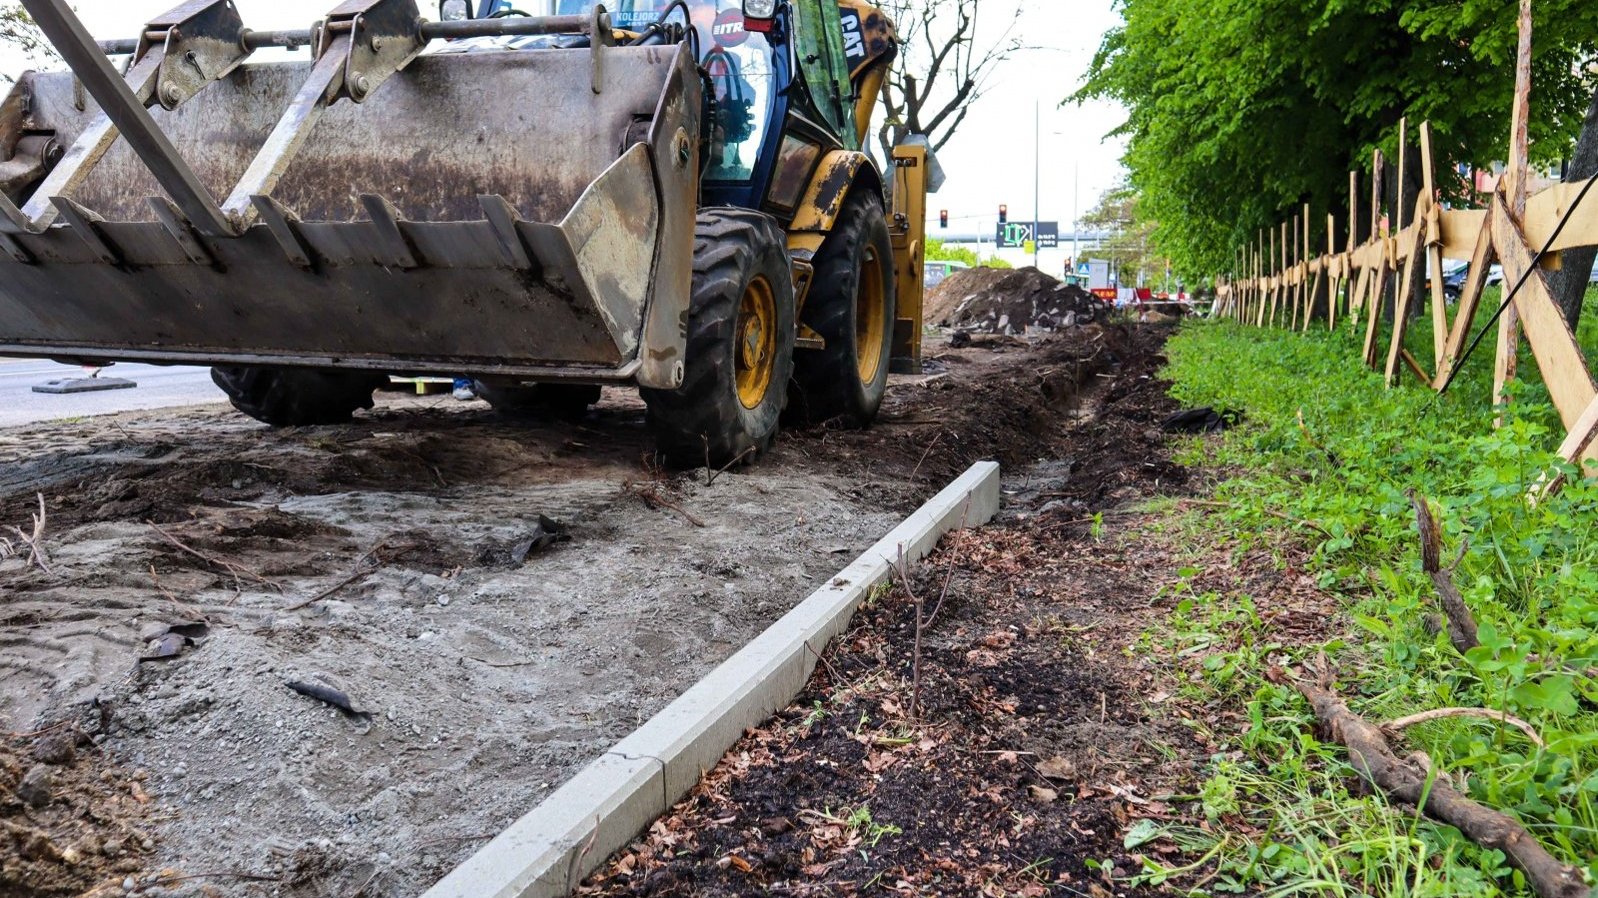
(1057, 768)
(999, 639)
(881, 761)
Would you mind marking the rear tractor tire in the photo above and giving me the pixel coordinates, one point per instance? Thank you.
(297, 397)
(566, 402)
(740, 345)
(851, 306)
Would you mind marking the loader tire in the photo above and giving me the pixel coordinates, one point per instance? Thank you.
(851, 306)
(740, 345)
(566, 402)
(296, 397)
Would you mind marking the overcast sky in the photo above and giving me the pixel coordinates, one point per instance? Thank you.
(990, 161)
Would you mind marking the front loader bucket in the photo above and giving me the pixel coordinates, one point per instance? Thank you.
(507, 212)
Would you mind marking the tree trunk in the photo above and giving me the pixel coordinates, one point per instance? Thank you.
(1569, 283)
(1414, 184)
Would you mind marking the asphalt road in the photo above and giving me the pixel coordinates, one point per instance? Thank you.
(157, 388)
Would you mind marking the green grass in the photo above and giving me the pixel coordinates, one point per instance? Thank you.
(1325, 442)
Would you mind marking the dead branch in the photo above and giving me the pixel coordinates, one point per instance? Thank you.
(354, 575)
(501, 664)
(945, 66)
(1394, 727)
(237, 572)
(172, 879)
(712, 473)
(35, 542)
(930, 446)
(650, 495)
(1405, 782)
(915, 649)
(924, 621)
(1461, 623)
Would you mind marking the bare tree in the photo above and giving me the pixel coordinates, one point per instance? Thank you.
(945, 64)
(17, 32)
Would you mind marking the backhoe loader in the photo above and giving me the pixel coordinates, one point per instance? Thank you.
(670, 194)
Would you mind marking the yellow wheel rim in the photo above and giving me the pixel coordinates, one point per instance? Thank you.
(757, 342)
(870, 317)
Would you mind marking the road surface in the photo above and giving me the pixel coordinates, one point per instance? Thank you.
(157, 388)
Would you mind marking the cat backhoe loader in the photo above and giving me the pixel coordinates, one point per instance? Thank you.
(667, 194)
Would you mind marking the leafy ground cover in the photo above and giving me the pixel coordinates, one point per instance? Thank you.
(1326, 463)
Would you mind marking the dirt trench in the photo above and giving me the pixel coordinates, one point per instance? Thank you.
(402, 561)
(1035, 734)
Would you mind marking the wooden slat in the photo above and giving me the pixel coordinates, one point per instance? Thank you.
(1563, 367)
(1373, 311)
(1513, 211)
(1581, 444)
(1434, 252)
(1415, 238)
(1481, 259)
(1414, 366)
(1460, 230)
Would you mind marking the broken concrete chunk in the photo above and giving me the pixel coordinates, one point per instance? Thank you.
(37, 786)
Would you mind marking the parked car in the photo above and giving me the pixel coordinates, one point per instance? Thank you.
(1454, 282)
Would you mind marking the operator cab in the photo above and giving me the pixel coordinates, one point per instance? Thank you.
(795, 74)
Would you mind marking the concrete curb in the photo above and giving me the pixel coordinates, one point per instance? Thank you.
(551, 848)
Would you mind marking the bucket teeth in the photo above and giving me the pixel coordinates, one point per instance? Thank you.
(85, 224)
(389, 226)
(284, 226)
(502, 217)
(172, 218)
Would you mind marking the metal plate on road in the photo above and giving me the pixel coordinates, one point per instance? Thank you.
(84, 385)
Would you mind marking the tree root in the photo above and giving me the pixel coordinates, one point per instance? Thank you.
(1394, 727)
(1410, 784)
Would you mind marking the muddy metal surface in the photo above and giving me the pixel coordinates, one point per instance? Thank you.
(390, 560)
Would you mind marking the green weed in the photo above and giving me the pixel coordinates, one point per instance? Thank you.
(1327, 444)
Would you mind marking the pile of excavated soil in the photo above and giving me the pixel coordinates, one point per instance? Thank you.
(1009, 301)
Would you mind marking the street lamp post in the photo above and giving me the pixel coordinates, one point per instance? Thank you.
(1076, 214)
(1037, 178)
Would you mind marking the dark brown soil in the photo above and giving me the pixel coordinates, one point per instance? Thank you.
(1040, 738)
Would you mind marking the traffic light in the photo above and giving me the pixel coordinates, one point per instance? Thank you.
(1004, 214)
(943, 219)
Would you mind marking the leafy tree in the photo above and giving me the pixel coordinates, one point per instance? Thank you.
(18, 31)
(938, 251)
(1128, 245)
(1241, 111)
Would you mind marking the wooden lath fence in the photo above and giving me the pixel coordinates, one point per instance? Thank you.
(1281, 282)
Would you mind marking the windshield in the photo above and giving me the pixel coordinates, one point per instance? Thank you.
(739, 65)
